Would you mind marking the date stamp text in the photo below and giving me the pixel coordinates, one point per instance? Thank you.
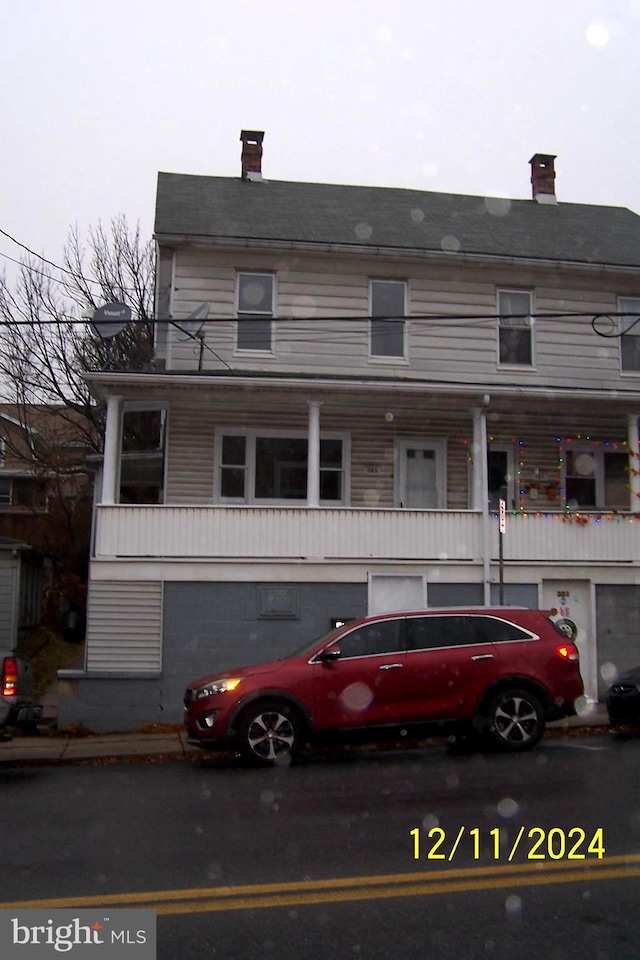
(501, 844)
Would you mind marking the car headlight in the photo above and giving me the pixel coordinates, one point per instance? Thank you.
(217, 686)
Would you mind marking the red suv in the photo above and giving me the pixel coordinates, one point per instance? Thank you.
(500, 673)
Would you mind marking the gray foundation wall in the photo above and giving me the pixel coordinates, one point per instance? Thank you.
(208, 627)
(617, 630)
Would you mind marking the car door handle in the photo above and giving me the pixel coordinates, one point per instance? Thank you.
(483, 656)
(391, 666)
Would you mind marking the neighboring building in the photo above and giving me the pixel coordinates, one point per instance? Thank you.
(46, 496)
(21, 583)
(377, 369)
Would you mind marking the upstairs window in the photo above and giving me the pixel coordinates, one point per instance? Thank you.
(630, 334)
(388, 308)
(255, 311)
(515, 333)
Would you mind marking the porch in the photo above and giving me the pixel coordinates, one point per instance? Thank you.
(301, 533)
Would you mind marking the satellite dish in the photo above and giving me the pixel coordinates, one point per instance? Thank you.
(111, 319)
(192, 324)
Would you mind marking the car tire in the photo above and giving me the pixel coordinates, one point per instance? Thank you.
(270, 734)
(512, 720)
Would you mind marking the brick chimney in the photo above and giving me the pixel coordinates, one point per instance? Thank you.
(543, 178)
(251, 154)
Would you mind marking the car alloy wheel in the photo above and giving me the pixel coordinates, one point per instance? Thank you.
(514, 720)
(269, 734)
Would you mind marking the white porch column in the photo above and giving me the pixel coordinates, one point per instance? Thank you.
(313, 461)
(633, 440)
(111, 450)
(481, 494)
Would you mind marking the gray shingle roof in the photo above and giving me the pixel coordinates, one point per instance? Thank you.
(221, 207)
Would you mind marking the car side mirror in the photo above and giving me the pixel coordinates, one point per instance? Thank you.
(331, 653)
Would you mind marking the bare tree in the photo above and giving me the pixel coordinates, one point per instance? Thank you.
(46, 346)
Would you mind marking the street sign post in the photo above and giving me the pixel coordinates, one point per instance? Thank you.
(502, 521)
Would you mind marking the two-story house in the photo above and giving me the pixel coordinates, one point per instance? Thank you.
(348, 381)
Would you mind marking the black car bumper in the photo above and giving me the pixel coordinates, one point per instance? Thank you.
(623, 702)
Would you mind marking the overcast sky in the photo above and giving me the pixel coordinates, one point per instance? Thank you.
(99, 95)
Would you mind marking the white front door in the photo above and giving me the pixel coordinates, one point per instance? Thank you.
(421, 474)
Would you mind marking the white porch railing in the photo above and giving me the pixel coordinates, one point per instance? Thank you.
(285, 533)
(291, 533)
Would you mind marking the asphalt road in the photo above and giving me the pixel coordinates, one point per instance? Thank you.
(378, 855)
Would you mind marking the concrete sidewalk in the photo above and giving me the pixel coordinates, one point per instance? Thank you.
(171, 744)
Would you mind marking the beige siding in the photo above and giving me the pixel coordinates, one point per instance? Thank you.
(124, 627)
(373, 428)
(325, 301)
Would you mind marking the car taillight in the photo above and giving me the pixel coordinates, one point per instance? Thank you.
(9, 677)
(568, 651)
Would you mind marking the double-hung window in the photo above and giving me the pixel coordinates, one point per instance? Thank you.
(6, 490)
(255, 311)
(142, 455)
(596, 477)
(630, 334)
(388, 324)
(515, 328)
(268, 467)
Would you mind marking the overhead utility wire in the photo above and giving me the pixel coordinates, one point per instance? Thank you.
(40, 257)
(32, 269)
(462, 319)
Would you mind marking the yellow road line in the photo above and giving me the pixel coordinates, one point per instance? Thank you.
(336, 890)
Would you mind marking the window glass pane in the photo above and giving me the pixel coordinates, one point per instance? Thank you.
(581, 479)
(255, 293)
(331, 453)
(5, 490)
(142, 456)
(426, 633)
(630, 329)
(387, 338)
(232, 483)
(331, 485)
(515, 327)
(281, 468)
(616, 480)
(254, 333)
(374, 639)
(234, 450)
(387, 298)
(514, 308)
(387, 334)
(515, 346)
(630, 347)
(492, 630)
